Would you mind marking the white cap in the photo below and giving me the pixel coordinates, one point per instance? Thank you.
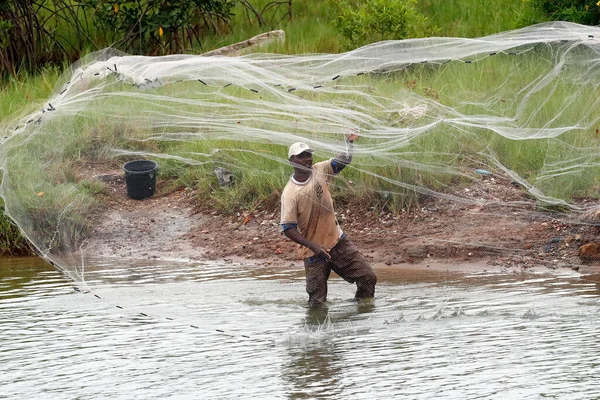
(298, 148)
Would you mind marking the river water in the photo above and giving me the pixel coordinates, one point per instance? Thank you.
(227, 331)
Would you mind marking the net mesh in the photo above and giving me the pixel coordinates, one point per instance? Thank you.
(436, 115)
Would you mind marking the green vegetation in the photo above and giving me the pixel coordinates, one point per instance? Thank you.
(585, 12)
(23, 93)
(11, 239)
(158, 27)
(37, 32)
(311, 27)
(452, 18)
(376, 20)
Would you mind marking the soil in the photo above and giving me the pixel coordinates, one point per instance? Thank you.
(506, 234)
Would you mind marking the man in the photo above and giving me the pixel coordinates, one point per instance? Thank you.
(308, 218)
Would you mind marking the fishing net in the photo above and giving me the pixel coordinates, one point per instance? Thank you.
(437, 117)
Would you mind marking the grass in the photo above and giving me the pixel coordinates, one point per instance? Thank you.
(458, 18)
(45, 196)
(23, 93)
(311, 29)
(12, 241)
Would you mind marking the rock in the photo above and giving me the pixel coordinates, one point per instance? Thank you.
(225, 177)
(590, 252)
(552, 244)
(416, 252)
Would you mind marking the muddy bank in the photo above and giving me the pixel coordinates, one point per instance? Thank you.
(510, 235)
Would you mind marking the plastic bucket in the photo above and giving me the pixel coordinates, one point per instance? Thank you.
(140, 178)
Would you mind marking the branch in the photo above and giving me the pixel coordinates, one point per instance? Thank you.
(259, 17)
(263, 38)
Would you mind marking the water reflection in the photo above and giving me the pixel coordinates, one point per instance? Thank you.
(594, 278)
(17, 272)
(315, 368)
(313, 372)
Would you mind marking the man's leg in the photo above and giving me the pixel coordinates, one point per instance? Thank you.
(350, 264)
(317, 273)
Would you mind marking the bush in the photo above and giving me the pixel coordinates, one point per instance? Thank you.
(12, 242)
(159, 27)
(376, 20)
(585, 12)
(29, 34)
(35, 33)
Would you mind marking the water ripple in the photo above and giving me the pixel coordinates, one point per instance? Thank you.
(233, 331)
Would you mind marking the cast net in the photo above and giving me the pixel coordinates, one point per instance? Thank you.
(493, 125)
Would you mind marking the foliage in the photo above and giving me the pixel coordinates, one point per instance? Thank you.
(269, 13)
(12, 241)
(585, 12)
(376, 20)
(159, 27)
(470, 18)
(23, 93)
(37, 32)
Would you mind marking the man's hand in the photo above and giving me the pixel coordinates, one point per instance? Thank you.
(320, 250)
(297, 237)
(352, 135)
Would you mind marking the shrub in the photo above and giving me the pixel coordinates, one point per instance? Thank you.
(164, 26)
(12, 242)
(35, 33)
(585, 12)
(376, 20)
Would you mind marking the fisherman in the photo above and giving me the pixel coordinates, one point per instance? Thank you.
(308, 218)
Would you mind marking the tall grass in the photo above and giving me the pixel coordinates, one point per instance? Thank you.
(309, 29)
(12, 241)
(24, 92)
(472, 18)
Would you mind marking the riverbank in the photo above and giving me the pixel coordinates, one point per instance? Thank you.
(508, 234)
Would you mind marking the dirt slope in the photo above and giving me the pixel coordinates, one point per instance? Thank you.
(443, 233)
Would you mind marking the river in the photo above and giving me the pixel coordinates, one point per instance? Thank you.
(225, 331)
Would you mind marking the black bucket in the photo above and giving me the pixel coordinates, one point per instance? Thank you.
(140, 178)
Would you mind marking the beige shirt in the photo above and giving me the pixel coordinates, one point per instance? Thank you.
(309, 205)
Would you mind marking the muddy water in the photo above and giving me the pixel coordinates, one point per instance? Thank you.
(232, 331)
